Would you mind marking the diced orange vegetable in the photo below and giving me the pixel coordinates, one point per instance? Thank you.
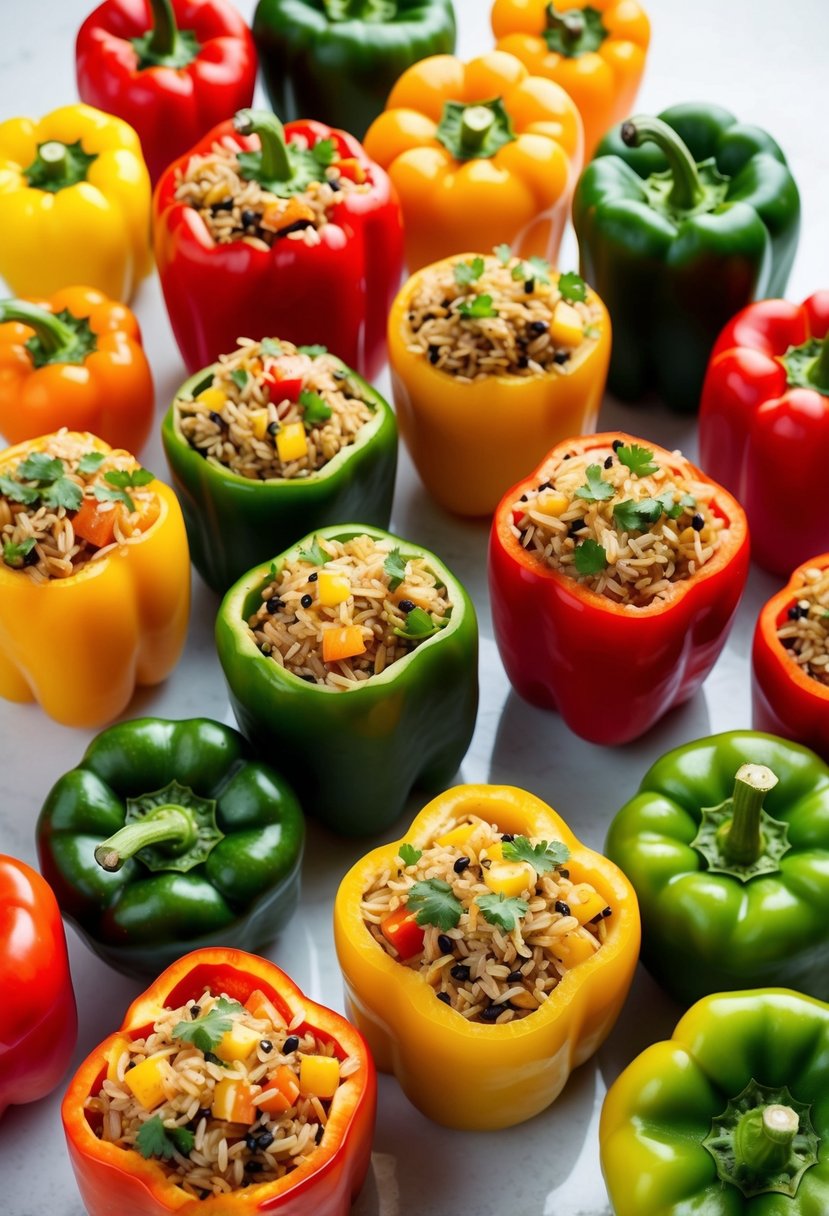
(94, 525)
(233, 1101)
(342, 643)
(573, 948)
(401, 929)
(351, 169)
(591, 906)
(283, 214)
(282, 1091)
(319, 1076)
(261, 1007)
(147, 511)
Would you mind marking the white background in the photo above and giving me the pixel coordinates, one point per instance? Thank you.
(765, 60)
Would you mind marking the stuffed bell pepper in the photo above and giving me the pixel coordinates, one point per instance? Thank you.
(38, 1022)
(94, 577)
(226, 1090)
(682, 220)
(77, 361)
(485, 955)
(727, 1117)
(352, 660)
(337, 60)
(480, 153)
(168, 835)
(264, 230)
(726, 844)
(764, 421)
(269, 442)
(493, 359)
(74, 204)
(615, 571)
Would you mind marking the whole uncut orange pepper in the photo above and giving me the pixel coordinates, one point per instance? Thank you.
(480, 154)
(75, 360)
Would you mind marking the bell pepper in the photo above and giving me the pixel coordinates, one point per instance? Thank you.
(471, 439)
(38, 1024)
(764, 425)
(470, 1075)
(74, 204)
(125, 614)
(172, 69)
(727, 1117)
(234, 522)
(167, 836)
(336, 293)
(481, 154)
(785, 699)
(75, 361)
(595, 49)
(327, 1182)
(682, 220)
(610, 670)
(338, 60)
(411, 725)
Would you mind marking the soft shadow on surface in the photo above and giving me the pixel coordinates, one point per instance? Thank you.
(648, 1016)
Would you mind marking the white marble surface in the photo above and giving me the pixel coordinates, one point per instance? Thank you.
(764, 60)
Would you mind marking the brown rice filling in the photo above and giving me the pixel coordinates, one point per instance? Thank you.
(623, 520)
(805, 630)
(492, 959)
(343, 611)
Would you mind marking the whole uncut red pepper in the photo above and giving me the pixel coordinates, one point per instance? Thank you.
(172, 69)
(336, 293)
(764, 425)
(38, 1022)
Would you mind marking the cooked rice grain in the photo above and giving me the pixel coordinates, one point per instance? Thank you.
(805, 630)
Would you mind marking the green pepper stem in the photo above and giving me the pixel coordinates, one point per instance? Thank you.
(742, 840)
(276, 167)
(763, 1139)
(55, 336)
(569, 25)
(687, 190)
(818, 373)
(165, 31)
(168, 824)
(475, 125)
(54, 158)
(369, 10)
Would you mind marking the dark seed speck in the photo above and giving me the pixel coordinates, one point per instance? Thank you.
(434, 353)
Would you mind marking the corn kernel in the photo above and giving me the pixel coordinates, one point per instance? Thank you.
(117, 1049)
(551, 503)
(509, 878)
(212, 398)
(456, 837)
(237, 1043)
(573, 948)
(332, 588)
(146, 1081)
(319, 1076)
(291, 443)
(566, 328)
(593, 905)
(259, 423)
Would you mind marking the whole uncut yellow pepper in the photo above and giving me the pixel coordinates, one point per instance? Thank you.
(74, 204)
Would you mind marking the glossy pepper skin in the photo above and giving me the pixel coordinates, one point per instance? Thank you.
(337, 60)
(595, 49)
(785, 700)
(473, 1076)
(234, 522)
(166, 895)
(327, 1183)
(659, 1113)
(764, 422)
(172, 69)
(126, 615)
(712, 922)
(335, 294)
(469, 440)
(411, 725)
(75, 360)
(481, 154)
(81, 214)
(38, 1025)
(675, 254)
(611, 672)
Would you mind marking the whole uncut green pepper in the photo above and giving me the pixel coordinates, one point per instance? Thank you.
(682, 220)
(167, 837)
(336, 60)
(727, 847)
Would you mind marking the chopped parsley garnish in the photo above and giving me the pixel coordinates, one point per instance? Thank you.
(62, 493)
(467, 273)
(240, 378)
(639, 460)
(14, 555)
(324, 152)
(395, 568)
(477, 307)
(270, 346)
(434, 903)
(314, 554)
(542, 857)
(313, 351)
(408, 854)
(571, 286)
(156, 1140)
(590, 557)
(206, 1032)
(502, 910)
(419, 625)
(16, 492)
(674, 509)
(503, 253)
(91, 462)
(120, 482)
(40, 467)
(535, 268)
(636, 516)
(596, 489)
(315, 409)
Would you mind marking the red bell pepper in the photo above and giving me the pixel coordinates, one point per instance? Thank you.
(38, 1022)
(785, 699)
(113, 1179)
(764, 425)
(172, 69)
(611, 671)
(336, 293)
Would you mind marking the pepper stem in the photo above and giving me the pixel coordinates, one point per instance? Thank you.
(741, 840)
(476, 122)
(54, 157)
(763, 1139)
(687, 190)
(569, 25)
(164, 35)
(169, 824)
(276, 165)
(55, 336)
(818, 373)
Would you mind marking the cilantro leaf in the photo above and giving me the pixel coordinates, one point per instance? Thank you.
(16, 492)
(39, 467)
(156, 1140)
(590, 557)
(503, 253)
(467, 273)
(596, 489)
(636, 516)
(395, 568)
(542, 857)
(314, 554)
(502, 910)
(207, 1031)
(419, 625)
(313, 351)
(63, 493)
(324, 152)
(638, 459)
(434, 903)
(91, 462)
(14, 553)
(540, 268)
(270, 346)
(477, 307)
(240, 378)
(120, 481)
(674, 509)
(408, 854)
(272, 570)
(572, 287)
(315, 408)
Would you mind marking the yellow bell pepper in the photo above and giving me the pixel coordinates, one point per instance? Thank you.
(481, 154)
(74, 204)
(471, 1075)
(79, 645)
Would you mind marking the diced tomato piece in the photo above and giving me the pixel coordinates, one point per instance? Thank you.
(284, 377)
(403, 932)
(351, 168)
(94, 525)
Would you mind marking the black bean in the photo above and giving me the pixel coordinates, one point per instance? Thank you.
(492, 1013)
(307, 601)
(266, 1045)
(195, 1011)
(562, 908)
(250, 1144)
(445, 997)
(607, 912)
(577, 525)
(434, 353)
(564, 873)
(31, 558)
(334, 184)
(130, 1066)
(253, 1167)
(312, 578)
(445, 303)
(411, 316)
(608, 464)
(538, 327)
(445, 943)
(523, 362)
(567, 456)
(249, 217)
(217, 419)
(698, 523)
(406, 606)
(618, 443)
(273, 428)
(460, 972)
(310, 679)
(507, 837)
(291, 1044)
(264, 1140)
(204, 1112)
(460, 865)
(297, 226)
(225, 205)
(318, 1135)
(561, 356)
(529, 286)
(274, 604)
(515, 977)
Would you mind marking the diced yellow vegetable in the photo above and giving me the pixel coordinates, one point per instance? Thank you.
(233, 1100)
(573, 948)
(212, 399)
(319, 1076)
(567, 326)
(332, 588)
(117, 1049)
(509, 878)
(146, 1081)
(291, 443)
(495, 852)
(590, 907)
(551, 503)
(456, 837)
(217, 193)
(259, 423)
(237, 1043)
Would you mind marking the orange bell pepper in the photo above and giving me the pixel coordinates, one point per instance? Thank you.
(480, 154)
(595, 49)
(75, 360)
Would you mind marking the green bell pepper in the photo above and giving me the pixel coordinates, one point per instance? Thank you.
(731, 867)
(235, 522)
(336, 60)
(729, 1116)
(354, 756)
(679, 234)
(167, 837)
